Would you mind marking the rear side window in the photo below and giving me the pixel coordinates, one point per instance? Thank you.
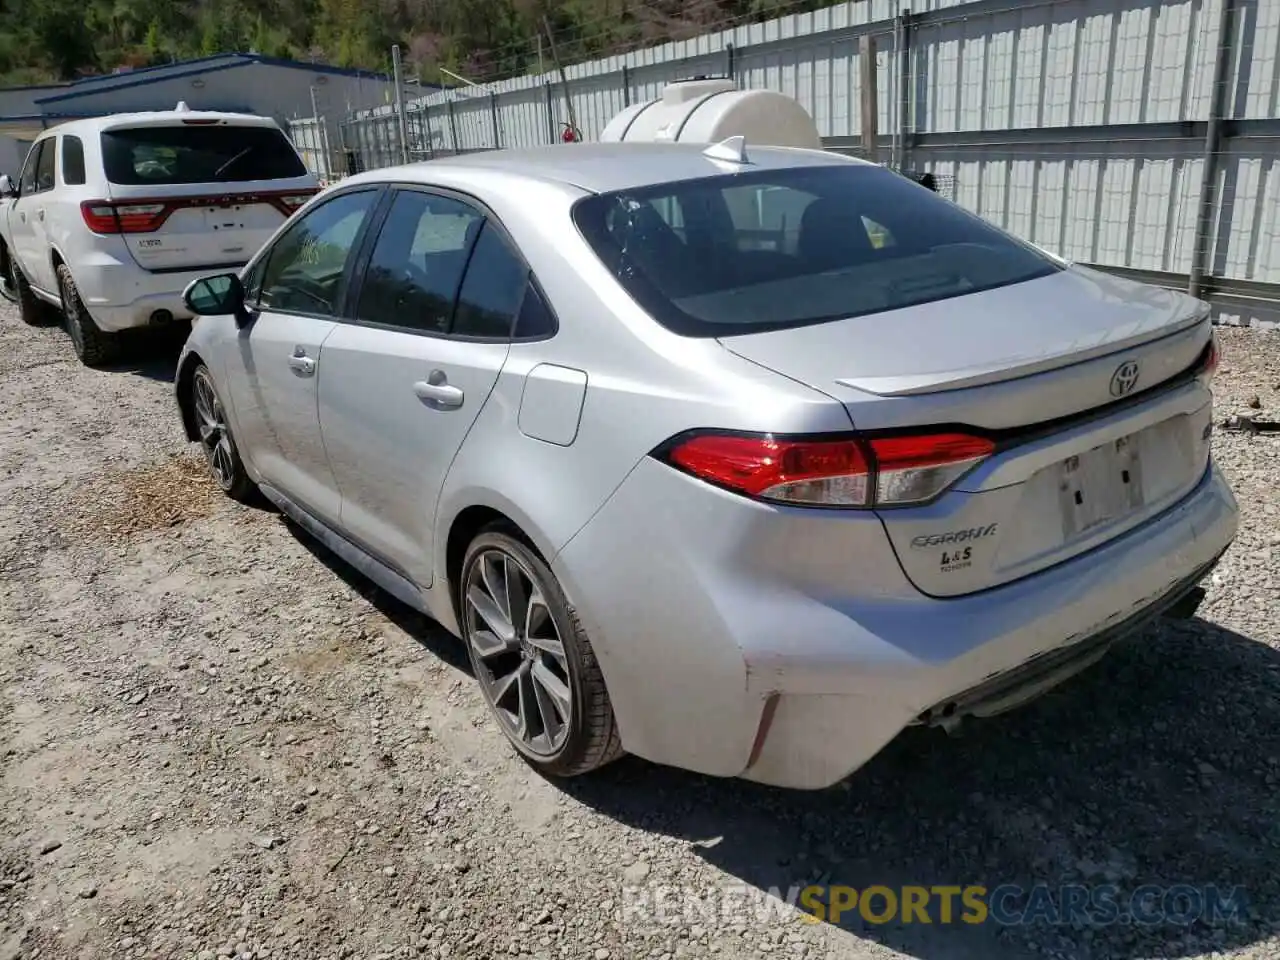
(493, 289)
(417, 263)
(46, 166)
(743, 253)
(159, 155)
(72, 161)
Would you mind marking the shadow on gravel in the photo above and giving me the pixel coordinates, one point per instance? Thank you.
(1160, 766)
(434, 638)
(152, 354)
(1157, 770)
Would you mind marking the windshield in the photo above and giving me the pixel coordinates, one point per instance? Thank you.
(744, 253)
(198, 154)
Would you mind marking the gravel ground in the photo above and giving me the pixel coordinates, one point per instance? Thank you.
(218, 741)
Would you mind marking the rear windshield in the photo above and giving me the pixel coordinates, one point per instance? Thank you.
(749, 252)
(198, 154)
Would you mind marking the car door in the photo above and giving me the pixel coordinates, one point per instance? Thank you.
(42, 272)
(22, 223)
(435, 307)
(295, 292)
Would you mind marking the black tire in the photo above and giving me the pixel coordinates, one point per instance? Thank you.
(592, 739)
(92, 346)
(33, 311)
(219, 446)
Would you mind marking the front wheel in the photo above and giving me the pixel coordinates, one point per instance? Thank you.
(532, 659)
(225, 465)
(33, 311)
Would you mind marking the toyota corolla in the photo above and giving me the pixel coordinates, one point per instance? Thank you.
(738, 459)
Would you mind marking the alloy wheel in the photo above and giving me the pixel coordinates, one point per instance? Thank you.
(518, 653)
(212, 426)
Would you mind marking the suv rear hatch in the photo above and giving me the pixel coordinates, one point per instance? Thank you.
(1086, 395)
(197, 192)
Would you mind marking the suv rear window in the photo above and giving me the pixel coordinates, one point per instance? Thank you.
(198, 154)
(744, 253)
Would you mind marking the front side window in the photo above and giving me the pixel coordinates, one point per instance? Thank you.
(306, 269)
(417, 263)
(186, 153)
(742, 253)
(27, 181)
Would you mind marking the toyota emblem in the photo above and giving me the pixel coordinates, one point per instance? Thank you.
(1124, 379)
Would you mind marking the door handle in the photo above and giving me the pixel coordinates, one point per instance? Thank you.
(40, 214)
(437, 390)
(302, 364)
(22, 216)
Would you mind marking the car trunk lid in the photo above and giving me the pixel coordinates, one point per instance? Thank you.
(1086, 385)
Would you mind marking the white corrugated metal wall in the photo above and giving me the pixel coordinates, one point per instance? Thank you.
(1078, 124)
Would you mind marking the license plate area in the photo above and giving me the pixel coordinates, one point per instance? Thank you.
(1099, 486)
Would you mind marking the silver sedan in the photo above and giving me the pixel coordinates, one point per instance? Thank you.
(739, 459)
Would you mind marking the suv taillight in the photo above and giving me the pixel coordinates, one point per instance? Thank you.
(829, 472)
(147, 216)
(103, 216)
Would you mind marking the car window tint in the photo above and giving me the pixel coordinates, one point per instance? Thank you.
(47, 166)
(27, 182)
(417, 263)
(72, 161)
(737, 254)
(536, 319)
(198, 154)
(306, 268)
(493, 288)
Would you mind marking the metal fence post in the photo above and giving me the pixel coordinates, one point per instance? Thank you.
(1212, 145)
(905, 122)
(401, 119)
(493, 112)
(426, 130)
(551, 114)
(626, 86)
(870, 104)
(453, 125)
(728, 60)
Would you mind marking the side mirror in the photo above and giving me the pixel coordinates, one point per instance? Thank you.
(217, 297)
(7, 190)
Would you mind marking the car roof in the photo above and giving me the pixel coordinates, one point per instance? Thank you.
(159, 118)
(603, 167)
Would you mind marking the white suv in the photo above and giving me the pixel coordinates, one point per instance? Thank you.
(112, 217)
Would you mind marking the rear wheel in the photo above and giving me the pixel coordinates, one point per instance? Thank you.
(92, 346)
(31, 309)
(532, 659)
(225, 465)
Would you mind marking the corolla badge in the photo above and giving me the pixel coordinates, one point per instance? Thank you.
(1124, 379)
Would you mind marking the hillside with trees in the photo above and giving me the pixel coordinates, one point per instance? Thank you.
(44, 40)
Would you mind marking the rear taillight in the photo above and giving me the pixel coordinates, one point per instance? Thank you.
(834, 472)
(287, 203)
(103, 216)
(1209, 362)
(149, 215)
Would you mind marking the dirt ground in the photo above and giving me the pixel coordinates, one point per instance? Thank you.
(219, 741)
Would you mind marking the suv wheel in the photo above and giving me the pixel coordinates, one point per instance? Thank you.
(92, 346)
(532, 659)
(31, 309)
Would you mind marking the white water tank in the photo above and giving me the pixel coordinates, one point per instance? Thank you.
(711, 110)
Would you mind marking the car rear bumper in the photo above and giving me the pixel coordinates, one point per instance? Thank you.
(732, 648)
(120, 295)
